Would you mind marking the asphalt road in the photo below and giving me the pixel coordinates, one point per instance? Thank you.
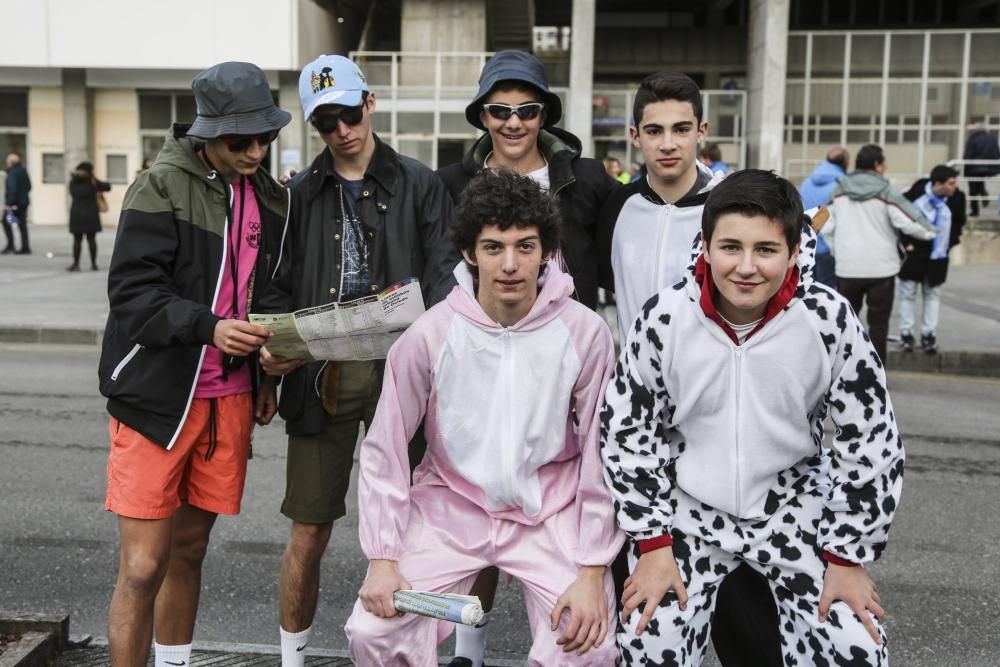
(940, 578)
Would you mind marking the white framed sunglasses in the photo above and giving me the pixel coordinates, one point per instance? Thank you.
(526, 111)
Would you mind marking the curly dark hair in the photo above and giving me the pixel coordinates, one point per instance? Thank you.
(502, 198)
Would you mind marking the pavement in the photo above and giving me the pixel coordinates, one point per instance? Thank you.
(43, 303)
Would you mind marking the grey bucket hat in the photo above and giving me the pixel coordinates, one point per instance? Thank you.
(234, 98)
(511, 65)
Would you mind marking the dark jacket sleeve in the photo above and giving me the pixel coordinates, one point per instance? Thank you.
(957, 204)
(607, 218)
(440, 256)
(140, 290)
(102, 186)
(277, 297)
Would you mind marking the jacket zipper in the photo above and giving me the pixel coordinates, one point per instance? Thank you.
(124, 362)
(736, 434)
(215, 299)
(511, 482)
(661, 235)
(284, 232)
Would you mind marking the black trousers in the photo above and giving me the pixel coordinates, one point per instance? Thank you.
(22, 213)
(976, 189)
(879, 294)
(745, 626)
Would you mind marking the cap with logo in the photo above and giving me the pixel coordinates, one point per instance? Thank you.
(234, 98)
(331, 80)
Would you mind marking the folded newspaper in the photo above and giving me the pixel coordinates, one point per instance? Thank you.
(466, 609)
(360, 330)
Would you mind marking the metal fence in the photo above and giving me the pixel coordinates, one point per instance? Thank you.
(421, 100)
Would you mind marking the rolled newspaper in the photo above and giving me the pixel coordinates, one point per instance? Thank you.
(465, 609)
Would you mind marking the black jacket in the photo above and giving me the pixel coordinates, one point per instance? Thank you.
(981, 146)
(84, 218)
(581, 184)
(162, 284)
(405, 211)
(18, 185)
(918, 265)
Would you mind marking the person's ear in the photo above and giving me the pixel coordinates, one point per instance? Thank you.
(470, 258)
(633, 132)
(794, 255)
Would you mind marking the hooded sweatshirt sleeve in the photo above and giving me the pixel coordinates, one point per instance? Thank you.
(599, 537)
(140, 284)
(866, 472)
(636, 453)
(384, 477)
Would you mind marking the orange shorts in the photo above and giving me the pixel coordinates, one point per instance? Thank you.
(146, 481)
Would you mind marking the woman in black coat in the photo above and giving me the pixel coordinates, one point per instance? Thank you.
(84, 216)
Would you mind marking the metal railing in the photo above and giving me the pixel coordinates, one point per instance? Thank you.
(965, 182)
(421, 99)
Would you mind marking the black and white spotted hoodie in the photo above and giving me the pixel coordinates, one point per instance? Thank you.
(740, 427)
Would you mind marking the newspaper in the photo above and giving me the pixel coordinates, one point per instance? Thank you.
(359, 330)
(465, 609)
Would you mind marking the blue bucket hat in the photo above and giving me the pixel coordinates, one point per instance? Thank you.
(511, 65)
(234, 98)
(331, 80)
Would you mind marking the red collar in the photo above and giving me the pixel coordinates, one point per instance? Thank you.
(703, 276)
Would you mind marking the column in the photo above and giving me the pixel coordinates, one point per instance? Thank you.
(292, 143)
(76, 120)
(767, 60)
(579, 110)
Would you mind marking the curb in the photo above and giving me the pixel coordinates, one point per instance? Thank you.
(42, 637)
(974, 364)
(51, 335)
(948, 362)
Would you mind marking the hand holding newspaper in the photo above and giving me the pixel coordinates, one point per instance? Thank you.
(360, 330)
(466, 609)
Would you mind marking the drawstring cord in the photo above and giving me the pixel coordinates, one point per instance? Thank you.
(213, 428)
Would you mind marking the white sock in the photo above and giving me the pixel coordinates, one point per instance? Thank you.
(293, 646)
(470, 643)
(172, 656)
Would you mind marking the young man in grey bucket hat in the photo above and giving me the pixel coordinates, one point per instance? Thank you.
(199, 234)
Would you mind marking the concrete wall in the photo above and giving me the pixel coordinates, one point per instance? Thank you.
(168, 34)
(45, 120)
(442, 25)
(116, 131)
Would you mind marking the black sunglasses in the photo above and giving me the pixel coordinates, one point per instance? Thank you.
(237, 143)
(327, 122)
(526, 111)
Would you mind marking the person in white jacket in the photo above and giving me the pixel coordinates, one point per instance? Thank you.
(712, 438)
(867, 216)
(508, 376)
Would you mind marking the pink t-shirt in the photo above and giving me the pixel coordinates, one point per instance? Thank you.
(211, 383)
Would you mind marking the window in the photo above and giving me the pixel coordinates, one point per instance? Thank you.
(157, 112)
(14, 123)
(53, 168)
(117, 168)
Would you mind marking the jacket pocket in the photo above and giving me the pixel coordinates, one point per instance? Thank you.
(125, 362)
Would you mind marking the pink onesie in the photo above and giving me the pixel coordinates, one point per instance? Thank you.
(508, 478)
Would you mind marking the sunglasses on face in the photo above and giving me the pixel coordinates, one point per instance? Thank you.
(526, 111)
(327, 122)
(238, 143)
